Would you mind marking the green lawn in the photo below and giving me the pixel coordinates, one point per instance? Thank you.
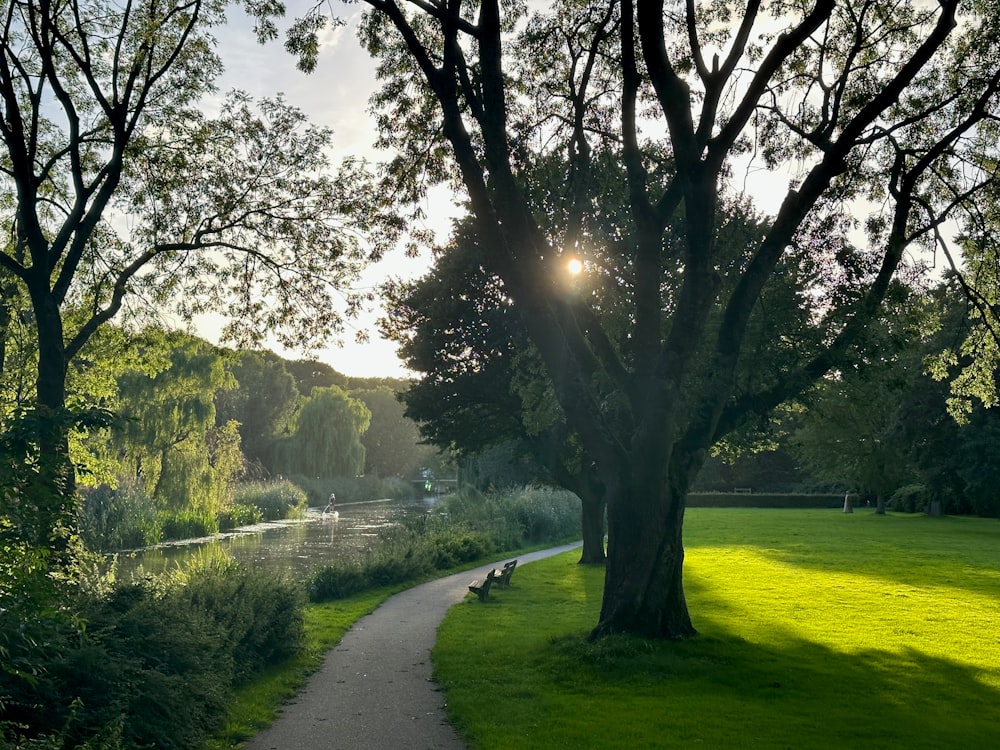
(818, 629)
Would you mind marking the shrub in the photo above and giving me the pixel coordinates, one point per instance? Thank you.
(155, 663)
(188, 524)
(237, 515)
(117, 519)
(912, 498)
(159, 671)
(258, 610)
(276, 500)
(455, 548)
(337, 581)
(470, 527)
(354, 489)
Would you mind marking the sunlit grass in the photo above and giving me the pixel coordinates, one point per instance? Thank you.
(818, 630)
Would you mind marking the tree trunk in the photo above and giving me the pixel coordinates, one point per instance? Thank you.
(643, 586)
(593, 530)
(879, 505)
(57, 479)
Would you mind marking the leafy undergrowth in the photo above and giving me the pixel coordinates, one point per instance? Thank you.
(257, 703)
(817, 629)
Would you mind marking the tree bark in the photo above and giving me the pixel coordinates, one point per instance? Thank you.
(643, 585)
(593, 530)
(57, 478)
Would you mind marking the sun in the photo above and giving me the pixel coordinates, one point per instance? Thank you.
(575, 266)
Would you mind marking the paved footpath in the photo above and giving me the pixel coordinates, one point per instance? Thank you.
(374, 690)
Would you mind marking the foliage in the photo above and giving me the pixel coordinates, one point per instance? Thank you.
(354, 489)
(765, 500)
(275, 500)
(259, 611)
(122, 518)
(169, 442)
(157, 659)
(326, 440)
(470, 527)
(263, 401)
(911, 498)
(876, 122)
(187, 524)
(236, 515)
(115, 185)
(392, 440)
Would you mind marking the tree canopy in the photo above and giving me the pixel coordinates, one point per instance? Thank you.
(873, 123)
(121, 192)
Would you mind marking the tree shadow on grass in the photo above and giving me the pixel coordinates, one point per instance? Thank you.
(719, 690)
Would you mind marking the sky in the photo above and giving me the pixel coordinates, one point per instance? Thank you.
(335, 95)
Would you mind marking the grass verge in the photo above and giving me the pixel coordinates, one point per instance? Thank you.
(256, 704)
(818, 630)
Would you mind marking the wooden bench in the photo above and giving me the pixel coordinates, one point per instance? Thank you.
(501, 576)
(482, 588)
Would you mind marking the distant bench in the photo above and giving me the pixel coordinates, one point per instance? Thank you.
(499, 576)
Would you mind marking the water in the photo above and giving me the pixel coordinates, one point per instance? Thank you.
(294, 546)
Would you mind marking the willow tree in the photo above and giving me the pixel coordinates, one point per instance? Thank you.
(326, 439)
(869, 118)
(115, 185)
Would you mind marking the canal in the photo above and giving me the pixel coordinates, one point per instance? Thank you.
(295, 546)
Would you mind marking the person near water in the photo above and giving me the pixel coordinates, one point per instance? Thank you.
(331, 507)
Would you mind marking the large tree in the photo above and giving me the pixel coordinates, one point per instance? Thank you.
(263, 402)
(478, 385)
(114, 185)
(326, 441)
(870, 117)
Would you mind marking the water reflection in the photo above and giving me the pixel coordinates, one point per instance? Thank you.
(295, 546)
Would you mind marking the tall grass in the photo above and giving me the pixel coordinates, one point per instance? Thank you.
(818, 630)
(467, 527)
(274, 499)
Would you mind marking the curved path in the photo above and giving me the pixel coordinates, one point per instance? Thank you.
(374, 689)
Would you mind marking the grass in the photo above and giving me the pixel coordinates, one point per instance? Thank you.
(817, 630)
(257, 703)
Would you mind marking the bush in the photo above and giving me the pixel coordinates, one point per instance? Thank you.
(530, 515)
(155, 663)
(337, 581)
(158, 671)
(118, 519)
(354, 489)
(912, 498)
(259, 611)
(276, 500)
(455, 548)
(470, 527)
(764, 500)
(237, 515)
(188, 525)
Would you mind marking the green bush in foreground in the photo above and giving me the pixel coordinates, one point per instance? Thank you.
(153, 663)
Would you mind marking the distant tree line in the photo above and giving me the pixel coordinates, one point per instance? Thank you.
(187, 422)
